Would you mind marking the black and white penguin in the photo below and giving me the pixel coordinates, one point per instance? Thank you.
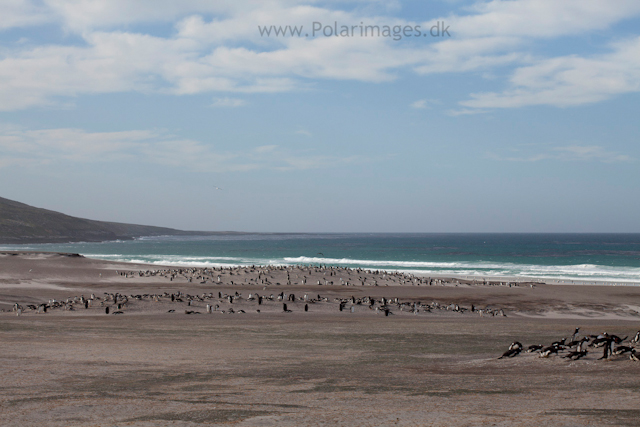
(534, 347)
(575, 334)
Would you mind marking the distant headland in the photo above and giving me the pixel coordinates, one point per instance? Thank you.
(24, 224)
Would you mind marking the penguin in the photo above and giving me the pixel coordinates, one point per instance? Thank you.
(515, 345)
(622, 349)
(575, 334)
(576, 355)
(106, 310)
(512, 352)
(579, 342)
(534, 348)
(608, 348)
(559, 343)
(306, 307)
(548, 351)
(636, 339)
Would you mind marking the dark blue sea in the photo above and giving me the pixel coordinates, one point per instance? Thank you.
(560, 257)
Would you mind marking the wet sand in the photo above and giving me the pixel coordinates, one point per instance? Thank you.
(149, 367)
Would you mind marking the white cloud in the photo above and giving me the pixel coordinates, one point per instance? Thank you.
(541, 18)
(569, 80)
(419, 104)
(21, 13)
(465, 112)
(50, 146)
(228, 102)
(570, 153)
(304, 132)
(216, 47)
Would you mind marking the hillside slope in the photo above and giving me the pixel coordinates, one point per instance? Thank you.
(21, 223)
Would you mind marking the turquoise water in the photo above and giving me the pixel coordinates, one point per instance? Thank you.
(564, 257)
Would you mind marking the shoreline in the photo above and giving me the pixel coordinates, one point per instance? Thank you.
(462, 277)
(57, 275)
(270, 346)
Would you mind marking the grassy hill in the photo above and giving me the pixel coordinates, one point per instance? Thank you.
(20, 223)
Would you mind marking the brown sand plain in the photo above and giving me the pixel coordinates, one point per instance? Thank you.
(149, 367)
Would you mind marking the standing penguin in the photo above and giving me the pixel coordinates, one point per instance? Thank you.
(306, 307)
(106, 310)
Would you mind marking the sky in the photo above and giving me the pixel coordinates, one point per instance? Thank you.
(521, 117)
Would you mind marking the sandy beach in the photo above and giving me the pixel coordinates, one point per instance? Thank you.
(160, 358)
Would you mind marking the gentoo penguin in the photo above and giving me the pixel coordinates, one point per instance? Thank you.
(634, 356)
(515, 345)
(579, 342)
(106, 310)
(548, 351)
(575, 334)
(616, 339)
(306, 307)
(512, 352)
(622, 349)
(608, 349)
(534, 347)
(636, 339)
(575, 355)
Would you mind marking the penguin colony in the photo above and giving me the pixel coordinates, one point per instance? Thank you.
(118, 303)
(306, 274)
(576, 348)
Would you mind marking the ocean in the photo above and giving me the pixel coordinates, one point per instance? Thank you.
(579, 258)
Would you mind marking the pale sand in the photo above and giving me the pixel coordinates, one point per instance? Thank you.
(148, 367)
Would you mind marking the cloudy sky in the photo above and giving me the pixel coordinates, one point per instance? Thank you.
(523, 116)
